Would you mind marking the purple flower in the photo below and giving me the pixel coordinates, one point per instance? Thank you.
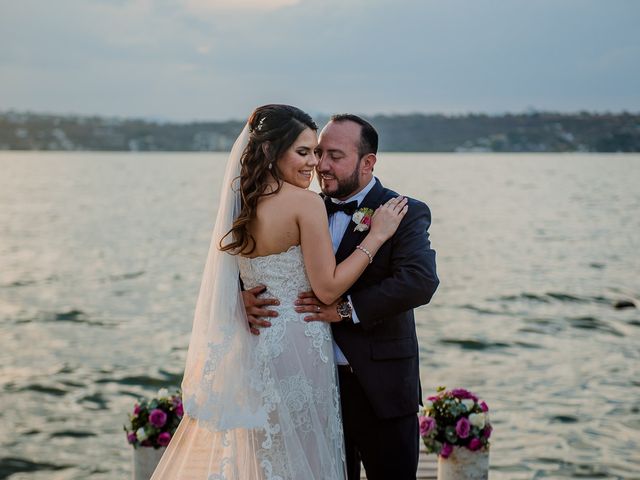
(164, 438)
(447, 449)
(136, 409)
(463, 427)
(487, 431)
(131, 438)
(484, 406)
(427, 424)
(157, 417)
(461, 393)
(433, 399)
(146, 443)
(179, 410)
(475, 444)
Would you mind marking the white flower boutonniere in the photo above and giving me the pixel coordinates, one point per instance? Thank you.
(362, 219)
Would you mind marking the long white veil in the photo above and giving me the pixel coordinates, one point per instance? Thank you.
(217, 388)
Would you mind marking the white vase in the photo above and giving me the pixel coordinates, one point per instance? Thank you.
(145, 460)
(464, 464)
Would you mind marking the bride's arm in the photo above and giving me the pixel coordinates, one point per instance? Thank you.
(328, 280)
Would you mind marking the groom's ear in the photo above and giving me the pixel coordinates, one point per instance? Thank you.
(367, 163)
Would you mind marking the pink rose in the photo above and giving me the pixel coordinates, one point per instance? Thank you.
(136, 409)
(157, 417)
(461, 393)
(463, 427)
(367, 221)
(447, 450)
(487, 431)
(475, 444)
(131, 438)
(179, 410)
(164, 438)
(427, 424)
(484, 406)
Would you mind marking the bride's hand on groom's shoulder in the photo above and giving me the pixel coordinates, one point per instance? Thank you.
(307, 302)
(387, 217)
(255, 308)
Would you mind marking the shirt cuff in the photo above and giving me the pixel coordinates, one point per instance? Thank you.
(354, 316)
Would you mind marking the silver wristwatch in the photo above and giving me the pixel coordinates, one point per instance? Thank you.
(344, 309)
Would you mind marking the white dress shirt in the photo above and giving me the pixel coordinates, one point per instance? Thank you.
(338, 223)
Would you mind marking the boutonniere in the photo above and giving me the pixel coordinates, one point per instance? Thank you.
(362, 219)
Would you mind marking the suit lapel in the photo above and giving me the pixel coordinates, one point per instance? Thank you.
(351, 238)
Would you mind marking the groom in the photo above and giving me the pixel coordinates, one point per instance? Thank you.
(373, 325)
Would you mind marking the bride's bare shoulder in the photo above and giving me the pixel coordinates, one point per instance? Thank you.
(300, 197)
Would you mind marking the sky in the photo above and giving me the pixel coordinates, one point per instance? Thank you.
(189, 60)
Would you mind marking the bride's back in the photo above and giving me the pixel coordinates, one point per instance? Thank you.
(275, 227)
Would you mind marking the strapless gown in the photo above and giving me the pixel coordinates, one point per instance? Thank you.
(303, 438)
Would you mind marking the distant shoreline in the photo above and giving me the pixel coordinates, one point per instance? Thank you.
(531, 132)
(380, 152)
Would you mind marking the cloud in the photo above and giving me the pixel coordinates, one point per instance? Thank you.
(209, 6)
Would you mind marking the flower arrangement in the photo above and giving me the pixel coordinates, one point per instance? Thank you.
(362, 219)
(454, 418)
(154, 421)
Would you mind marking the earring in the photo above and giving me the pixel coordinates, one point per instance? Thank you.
(270, 165)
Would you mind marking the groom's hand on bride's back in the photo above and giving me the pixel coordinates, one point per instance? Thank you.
(255, 308)
(307, 302)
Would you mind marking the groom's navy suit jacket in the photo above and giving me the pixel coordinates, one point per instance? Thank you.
(383, 348)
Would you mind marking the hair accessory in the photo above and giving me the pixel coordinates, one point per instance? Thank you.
(261, 123)
(360, 247)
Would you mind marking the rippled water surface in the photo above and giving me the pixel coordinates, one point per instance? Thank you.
(100, 264)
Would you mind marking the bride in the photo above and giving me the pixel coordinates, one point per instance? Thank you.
(267, 406)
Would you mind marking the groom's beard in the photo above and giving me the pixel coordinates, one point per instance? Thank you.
(345, 186)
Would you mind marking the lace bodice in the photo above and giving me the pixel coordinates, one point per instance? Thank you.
(282, 273)
(285, 277)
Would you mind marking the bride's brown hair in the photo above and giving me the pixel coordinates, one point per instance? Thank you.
(273, 129)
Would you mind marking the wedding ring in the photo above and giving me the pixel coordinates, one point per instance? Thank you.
(317, 308)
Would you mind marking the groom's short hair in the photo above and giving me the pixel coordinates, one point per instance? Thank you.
(368, 134)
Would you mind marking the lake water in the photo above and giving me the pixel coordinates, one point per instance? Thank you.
(101, 256)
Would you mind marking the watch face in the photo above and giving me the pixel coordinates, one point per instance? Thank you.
(344, 309)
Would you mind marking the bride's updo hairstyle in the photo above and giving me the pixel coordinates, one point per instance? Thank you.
(273, 129)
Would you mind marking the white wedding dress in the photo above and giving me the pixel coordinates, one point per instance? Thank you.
(293, 367)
